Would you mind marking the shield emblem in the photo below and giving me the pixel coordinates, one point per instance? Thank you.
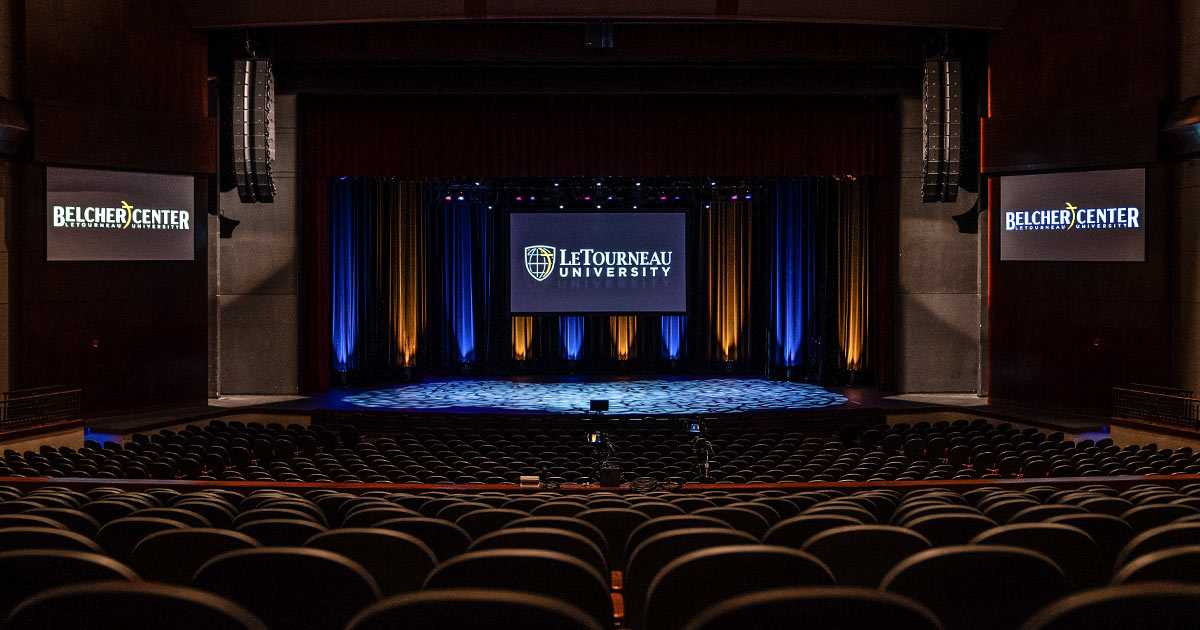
(539, 261)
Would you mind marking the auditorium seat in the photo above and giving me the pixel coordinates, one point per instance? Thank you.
(717, 573)
(15, 538)
(1173, 564)
(660, 550)
(174, 555)
(291, 587)
(796, 531)
(130, 606)
(445, 540)
(1121, 607)
(457, 609)
(616, 524)
(398, 562)
(978, 587)
(739, 518)
(950, 529)
(118, 537)
(549, 539)
(818, 607)
(861, 555)
(72, 519)
(280, 532)
(669, 523)
(481, 522)
(1071, 548)
(29, 571)
(547, 573)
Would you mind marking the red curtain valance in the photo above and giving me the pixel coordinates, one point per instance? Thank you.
(547, 136)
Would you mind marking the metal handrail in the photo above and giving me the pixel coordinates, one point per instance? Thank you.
(34, 410)
(1157, 407)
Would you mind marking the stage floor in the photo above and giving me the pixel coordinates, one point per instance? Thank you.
(625, 396)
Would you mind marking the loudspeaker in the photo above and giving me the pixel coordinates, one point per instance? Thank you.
(610, 476)
(942, 129)
(599, 405)
(253, 129)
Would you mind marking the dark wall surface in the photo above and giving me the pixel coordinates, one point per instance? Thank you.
(1076, 85)
(117, 84)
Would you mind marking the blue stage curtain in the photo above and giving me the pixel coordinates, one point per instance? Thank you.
(570, 331)
(794, 270)
(466, 268)
(673, 327)
(348, 223)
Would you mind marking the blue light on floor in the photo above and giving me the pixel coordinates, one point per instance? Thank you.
(643, 396)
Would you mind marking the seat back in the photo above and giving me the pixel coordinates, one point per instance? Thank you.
(982, 587)
(548, 573)
(174, 555)
(950, 529)
(659, 550)
(130, 606)
(1156, 539)
(860, 555)
(1110, 534)
(280, 532)
(118, 537)
(567, 523)
(739, 518)
(1071, 548)
(662, 524)
(819, 607)
(399, 562)
(455, 609)
(794, 532)
(482, 522)
(546, 538)
(444, 539)
(1130, 606)
(718, 573)
(26, 572)
(14, 538)
(1174, 564)
(291, 587)
(616, 524)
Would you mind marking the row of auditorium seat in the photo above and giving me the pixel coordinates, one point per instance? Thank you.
(234, 451)
(989, 557)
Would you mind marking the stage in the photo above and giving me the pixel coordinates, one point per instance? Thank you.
(570, 395)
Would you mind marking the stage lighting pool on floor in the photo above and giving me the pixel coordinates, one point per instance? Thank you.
(642, 396)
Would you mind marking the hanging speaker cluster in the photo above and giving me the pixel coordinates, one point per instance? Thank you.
(253, 129)
(942, 132)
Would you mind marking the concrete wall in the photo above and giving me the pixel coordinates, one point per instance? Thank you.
(938, 307)
(1185, 207)
(253, 282)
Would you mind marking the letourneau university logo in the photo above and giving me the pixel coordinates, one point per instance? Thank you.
(1073, 217)
(539, 261)
(125, 217)
(542, 260)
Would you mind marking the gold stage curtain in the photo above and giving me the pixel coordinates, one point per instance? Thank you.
(728, 258)
(623, 329)
(522, 336)
(405, 219)
(854, 273)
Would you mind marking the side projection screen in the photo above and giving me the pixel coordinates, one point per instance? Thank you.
(598, 262)
(115, 215)
(1092, 216)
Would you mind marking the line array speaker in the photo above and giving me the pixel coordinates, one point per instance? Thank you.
(942, 130)
(253, 129)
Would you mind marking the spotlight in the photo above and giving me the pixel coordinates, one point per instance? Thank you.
(447, 197)
(635, 207)
(560, 207)
(734, 197)
(460, 197)
(519, 199)
(556, 184)
(597, 183)
(597, 206)
(533, 198)
(587, 198)
(747, 196)
(713, 183)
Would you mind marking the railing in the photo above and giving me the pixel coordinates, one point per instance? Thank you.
(23, 409)
(1158, 405)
